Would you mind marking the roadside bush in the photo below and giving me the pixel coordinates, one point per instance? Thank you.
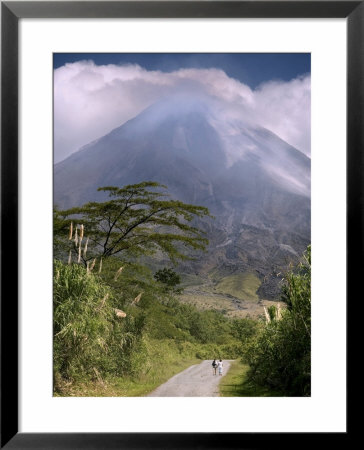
(244, 329)
(280, 354)
(89, 338)
(82, 318)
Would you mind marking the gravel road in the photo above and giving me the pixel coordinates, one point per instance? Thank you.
(196, 381)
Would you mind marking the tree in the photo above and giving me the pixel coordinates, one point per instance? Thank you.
(169, 278)
(138, 219)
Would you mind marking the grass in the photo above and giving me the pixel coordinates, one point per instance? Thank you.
(204, 301)
(165, 360)
(126, 387)
(236, 384)
(243, 286)
(232, 295)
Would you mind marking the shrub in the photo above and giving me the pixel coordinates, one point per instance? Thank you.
(82, 318)
(169, 279)
(89, 338)
(280, 354)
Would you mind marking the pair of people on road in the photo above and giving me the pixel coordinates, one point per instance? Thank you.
(217, 365)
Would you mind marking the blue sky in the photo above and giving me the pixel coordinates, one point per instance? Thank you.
(249, 68)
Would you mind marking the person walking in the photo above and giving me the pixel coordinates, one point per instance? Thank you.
(220, 366)
(214, 367)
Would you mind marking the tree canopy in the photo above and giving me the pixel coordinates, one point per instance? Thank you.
(137, 219)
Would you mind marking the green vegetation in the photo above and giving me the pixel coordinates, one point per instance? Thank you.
(170, 279)
(243, 286)
(124, 335)
(236, 383)
(232, 295)
(82, 321)
(120, 330)
(279, 355)
(165, 359)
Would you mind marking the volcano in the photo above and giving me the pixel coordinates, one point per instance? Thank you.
(255, 184)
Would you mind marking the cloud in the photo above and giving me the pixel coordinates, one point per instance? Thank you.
(285, 109)
(91, 100)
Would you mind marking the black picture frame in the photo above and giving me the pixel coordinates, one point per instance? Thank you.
(11, 12)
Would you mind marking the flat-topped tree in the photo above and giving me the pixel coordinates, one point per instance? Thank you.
(138, 219)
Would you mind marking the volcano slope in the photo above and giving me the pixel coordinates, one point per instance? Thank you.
(255, 185)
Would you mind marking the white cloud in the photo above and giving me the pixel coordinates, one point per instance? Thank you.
(285, 109)
(91, 100)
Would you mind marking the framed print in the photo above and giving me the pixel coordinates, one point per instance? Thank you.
(161, 165)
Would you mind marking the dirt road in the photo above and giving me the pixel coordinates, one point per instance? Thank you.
(196, 381)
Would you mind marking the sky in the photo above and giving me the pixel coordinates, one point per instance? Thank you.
(95, 93)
